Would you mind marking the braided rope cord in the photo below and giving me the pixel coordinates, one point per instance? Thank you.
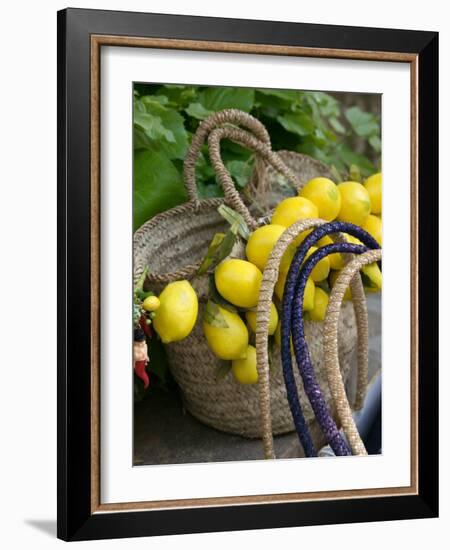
(226, 116)
(270, 277)
(263, 150)
(194, 205)
(335, 229)
(312, 388)
(213, 127)
(142, 235)
(335, 382)
(292, 321)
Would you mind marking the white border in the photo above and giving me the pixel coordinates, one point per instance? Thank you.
(120, 482)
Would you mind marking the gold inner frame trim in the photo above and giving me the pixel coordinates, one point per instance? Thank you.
(97, 41)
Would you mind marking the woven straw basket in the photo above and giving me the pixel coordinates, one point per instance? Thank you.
(173, 244)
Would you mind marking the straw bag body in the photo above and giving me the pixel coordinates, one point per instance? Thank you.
(174, 243)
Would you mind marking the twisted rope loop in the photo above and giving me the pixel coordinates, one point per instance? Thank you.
(335, 382)
(270, 277)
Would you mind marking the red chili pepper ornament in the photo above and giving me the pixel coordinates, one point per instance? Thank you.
(140, 353)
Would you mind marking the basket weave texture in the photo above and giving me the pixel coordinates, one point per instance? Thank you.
(231, 407)
(172, 244)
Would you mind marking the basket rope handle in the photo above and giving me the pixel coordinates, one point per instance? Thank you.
(270, 277)
(331, 356)
(216, 120)
(292, 318)
(293, 322)
(262, 149)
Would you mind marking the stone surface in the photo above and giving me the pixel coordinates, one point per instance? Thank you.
(166, 434)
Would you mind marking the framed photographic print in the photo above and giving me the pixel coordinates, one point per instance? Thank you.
(233, 353)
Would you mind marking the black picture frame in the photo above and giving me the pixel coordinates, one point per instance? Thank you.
(76, 519)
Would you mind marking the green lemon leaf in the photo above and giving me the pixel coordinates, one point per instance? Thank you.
(210, 254)
(140, 283)
(217, 298)
(212, 315)
(234, 219)
(218, 250)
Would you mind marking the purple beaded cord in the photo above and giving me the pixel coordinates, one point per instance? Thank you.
(312, 388)
(294, 306)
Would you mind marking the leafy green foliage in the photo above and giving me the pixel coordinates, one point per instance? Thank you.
(166, 116)
(216, 99)
(365, 125)
(157, 185)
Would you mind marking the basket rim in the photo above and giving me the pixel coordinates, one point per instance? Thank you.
(202, 204)
(187, 271)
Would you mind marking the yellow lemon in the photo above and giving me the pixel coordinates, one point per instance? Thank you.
(319, 310)
(352, 239)
(373, 184)
(238, 281)
(279, 286)
(292, 210)
(371, 277)
(371, 274)
(261, 242)
(244, 370)
(177, 313)
(321, 269)
(355, 202)
(373, 226)
(333, 276)
(273, 319)
(318, 270)
(336, 260)
(308, 297)
(230, 341)
(151, 303)
(324, 194)
(302, 236)
(287, 258)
